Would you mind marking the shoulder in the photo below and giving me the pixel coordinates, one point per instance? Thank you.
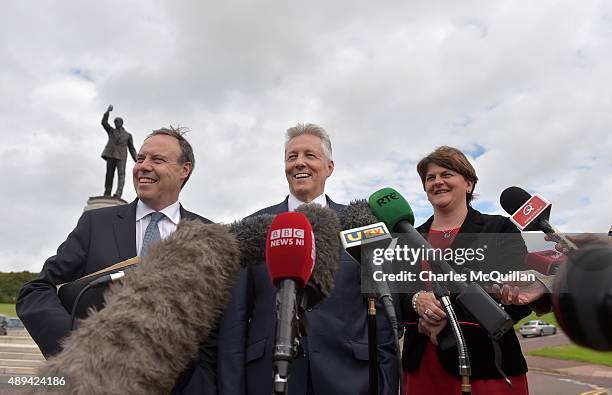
(274, 209)
(424, 227)
(110, 211)
(333, 205)
(491, 223)
(203, 219)
(189, 215)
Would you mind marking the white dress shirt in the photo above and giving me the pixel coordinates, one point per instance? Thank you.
(294, 202)
(167, 225)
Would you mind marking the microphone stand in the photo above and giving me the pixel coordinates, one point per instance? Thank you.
(465, 369)
(372, 345)
(383, 294)
(286, 338)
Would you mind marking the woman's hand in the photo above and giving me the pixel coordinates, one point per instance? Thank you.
(429, 308)
(432, 330)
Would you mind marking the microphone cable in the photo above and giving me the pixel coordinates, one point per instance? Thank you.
(94, 283)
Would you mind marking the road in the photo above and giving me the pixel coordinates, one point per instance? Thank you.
(544, 377)
(544, 373)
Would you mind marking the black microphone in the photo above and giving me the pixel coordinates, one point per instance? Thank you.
(153, 324)
(582, 297)
(529, 212)
(491, 317)
(363, 233)
(325, 227)
(251, 234)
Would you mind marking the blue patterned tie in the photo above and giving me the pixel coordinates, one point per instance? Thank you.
(152, 233)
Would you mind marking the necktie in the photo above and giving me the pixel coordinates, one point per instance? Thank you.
(152, 233)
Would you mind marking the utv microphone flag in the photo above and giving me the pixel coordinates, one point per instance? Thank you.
(353, 239)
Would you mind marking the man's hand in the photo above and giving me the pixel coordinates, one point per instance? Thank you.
(110, 108)
(519, 292)
(582, 240)
(432, 330)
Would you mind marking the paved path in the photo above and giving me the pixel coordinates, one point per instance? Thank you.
(561, 377)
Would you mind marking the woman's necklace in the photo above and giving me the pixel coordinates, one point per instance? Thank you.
(449, 232)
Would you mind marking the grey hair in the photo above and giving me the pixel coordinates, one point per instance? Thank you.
(314, 130)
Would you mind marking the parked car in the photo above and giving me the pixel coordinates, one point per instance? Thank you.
(3, 324)
(14, 323)
(537, 328)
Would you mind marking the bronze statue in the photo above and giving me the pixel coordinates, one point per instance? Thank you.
(115, 153)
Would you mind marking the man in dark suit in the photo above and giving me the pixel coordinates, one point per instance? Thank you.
(336, 348)
(109, 235)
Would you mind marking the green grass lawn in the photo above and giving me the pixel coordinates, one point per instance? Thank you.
(575, 353)
(8, 309)
(569, 351)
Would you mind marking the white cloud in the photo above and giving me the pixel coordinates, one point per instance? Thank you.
(390, 82)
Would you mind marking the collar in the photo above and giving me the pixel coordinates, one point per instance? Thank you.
(172, 212)
(294, 202)
(472, 224)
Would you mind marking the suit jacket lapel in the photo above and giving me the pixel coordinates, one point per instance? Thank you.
(124, 225)
(186, 214)
(333, 205)
(469, 229)
(282, 207)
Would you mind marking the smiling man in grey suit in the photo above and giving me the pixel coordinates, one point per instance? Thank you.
(109, 235)
(336, 350)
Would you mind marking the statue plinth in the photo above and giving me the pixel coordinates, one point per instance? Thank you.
(95, 202)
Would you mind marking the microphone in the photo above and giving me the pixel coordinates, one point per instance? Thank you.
(290, 254)
(390, 207)
(397, 214)
(529, 212)
(152, 325)
(104, 279)
(252, 232)
(362, 235)
(326, 227)
(546, 262)
(582, 297)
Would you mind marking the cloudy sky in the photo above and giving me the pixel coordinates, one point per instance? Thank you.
(523, 87)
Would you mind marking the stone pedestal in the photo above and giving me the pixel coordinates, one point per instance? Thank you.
(95, 202)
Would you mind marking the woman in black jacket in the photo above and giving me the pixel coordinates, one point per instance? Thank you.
(429, 362)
